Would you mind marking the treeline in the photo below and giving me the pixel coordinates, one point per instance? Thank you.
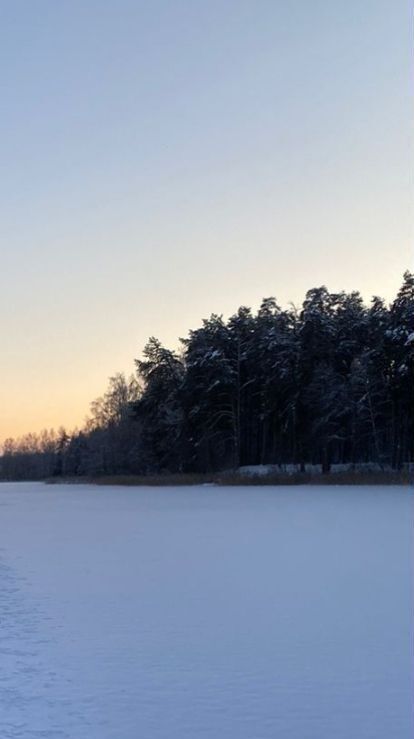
(332, 383)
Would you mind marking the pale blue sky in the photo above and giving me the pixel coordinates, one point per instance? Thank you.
(162, 160)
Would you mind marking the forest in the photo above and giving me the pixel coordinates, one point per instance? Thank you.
(330, 383)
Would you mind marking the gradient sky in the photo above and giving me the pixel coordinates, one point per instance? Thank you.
(165, 159)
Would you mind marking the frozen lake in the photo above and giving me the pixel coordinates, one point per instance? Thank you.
(206, 613)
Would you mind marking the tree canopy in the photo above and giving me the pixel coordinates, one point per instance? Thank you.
(332, 383)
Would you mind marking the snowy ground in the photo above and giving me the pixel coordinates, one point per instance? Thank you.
(211, 613)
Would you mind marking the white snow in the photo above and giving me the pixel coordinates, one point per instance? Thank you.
(264, 470)
(259, 470)
(206, 612)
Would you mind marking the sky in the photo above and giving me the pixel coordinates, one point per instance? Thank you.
(166, 159)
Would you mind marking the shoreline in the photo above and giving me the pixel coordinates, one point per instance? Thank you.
(228, 479)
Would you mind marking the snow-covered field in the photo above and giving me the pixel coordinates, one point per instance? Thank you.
(206, 613)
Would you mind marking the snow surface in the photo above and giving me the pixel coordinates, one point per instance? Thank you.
(206, 612)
